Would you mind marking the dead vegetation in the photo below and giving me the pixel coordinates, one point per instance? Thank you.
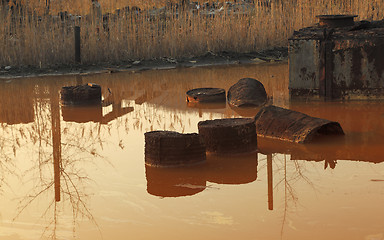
(33, 35)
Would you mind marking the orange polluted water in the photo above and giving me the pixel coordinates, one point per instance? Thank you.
(80, 173)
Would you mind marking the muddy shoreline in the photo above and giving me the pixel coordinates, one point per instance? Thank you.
(208, 59)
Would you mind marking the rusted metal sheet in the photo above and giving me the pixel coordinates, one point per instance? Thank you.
(341, 62)
(229, 135)
(288, 125)
(171, 149)
(304, 64)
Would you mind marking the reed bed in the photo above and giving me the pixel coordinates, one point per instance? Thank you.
(36, 38)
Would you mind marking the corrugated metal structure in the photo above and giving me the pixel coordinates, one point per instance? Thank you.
(338, 59)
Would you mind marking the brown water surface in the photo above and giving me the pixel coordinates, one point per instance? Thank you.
(79, 173)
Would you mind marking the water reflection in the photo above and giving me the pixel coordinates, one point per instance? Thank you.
(82, 114)
(237, 169)
(186, 181)
(55, 154)
(54, 160)
(175, 182)
(16, 106)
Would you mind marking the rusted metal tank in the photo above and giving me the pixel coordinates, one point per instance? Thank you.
(229, 135)
(288, 125)
(338, 59)
(172, 149)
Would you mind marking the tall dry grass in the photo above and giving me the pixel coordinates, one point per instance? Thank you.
(33, 38)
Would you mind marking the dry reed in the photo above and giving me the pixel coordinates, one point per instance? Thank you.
(30, 39)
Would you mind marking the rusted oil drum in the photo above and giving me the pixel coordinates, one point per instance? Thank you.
(206, 95)
(88, 94)
(232, 169)
(175, 182)
(229, 135)
(247, 92)
(172, 149)
(288, 125)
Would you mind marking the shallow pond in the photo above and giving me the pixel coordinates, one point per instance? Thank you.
(79, 173)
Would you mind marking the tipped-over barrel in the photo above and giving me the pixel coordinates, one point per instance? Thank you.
(289, 125)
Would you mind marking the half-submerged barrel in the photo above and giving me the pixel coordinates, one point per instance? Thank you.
(229, 135)
(247, 92)
(206, 95)
(172, 149)
(88, 94)
(288, 125)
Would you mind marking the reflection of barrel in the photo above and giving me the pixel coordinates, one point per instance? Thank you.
(289, 125)
(87, 94)
(82, 114)
(245, 111)
(166, 148)
(175, 182)
(230, 135)
(205, 95)
(238, 169)
(216, 105)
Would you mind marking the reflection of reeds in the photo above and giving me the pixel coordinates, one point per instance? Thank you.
(41, 41)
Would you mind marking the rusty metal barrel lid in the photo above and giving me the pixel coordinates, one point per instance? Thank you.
(288, 125)
(206, 95)
(229, 135)
(173, 149)
(338, 20)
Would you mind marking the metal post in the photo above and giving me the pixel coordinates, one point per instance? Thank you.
(77, 45)
(270, 182)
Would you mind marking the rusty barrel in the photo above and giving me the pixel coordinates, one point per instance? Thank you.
(288, 125)
(247, 92)
(171, 149)
(229, 135)
(88, 94)
(206, 95)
